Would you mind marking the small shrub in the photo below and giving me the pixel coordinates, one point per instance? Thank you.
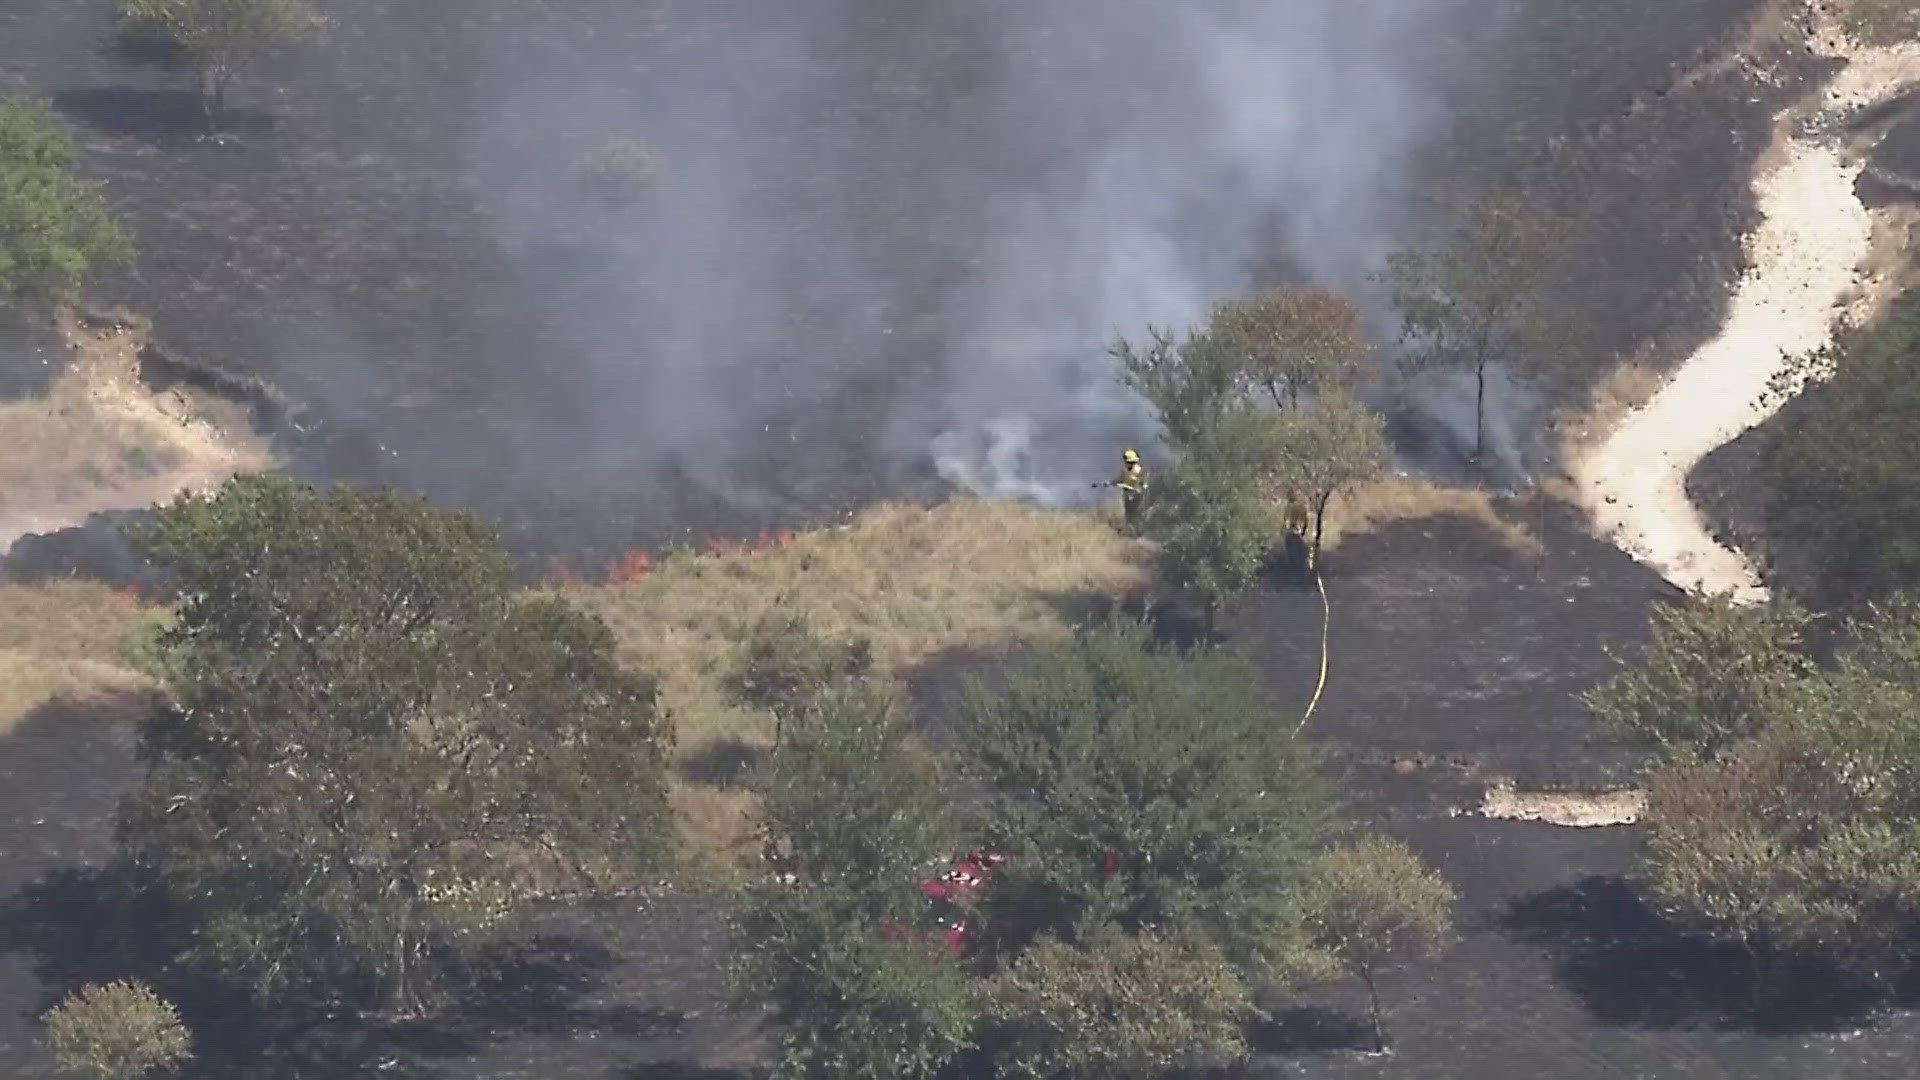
(1122, 1007)
(854, 996)
(859, 987)
(785, 664)
(619, 171)
(54, 227)
(1139, 789)
(1713, 674)
(1214, 529)
(1375, 903)
(119, 1031)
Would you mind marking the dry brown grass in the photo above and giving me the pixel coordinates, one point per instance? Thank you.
(1402, 498)
(62, 641)
(1573, 809)
(968, 575)
(917, 582)
(1629, 385)
(98, 439)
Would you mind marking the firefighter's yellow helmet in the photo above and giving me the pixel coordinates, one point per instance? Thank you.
(1131, 457)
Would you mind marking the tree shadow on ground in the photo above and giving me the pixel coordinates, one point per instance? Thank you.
(1311, 1029)
(1630, 966)
(537, 987)
(723, 762)
(84, 926)
(1174, 623)
(162, 118)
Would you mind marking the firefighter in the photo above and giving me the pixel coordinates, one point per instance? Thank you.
(1132, 483)
(1296, 519)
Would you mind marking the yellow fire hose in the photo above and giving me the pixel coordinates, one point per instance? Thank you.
(1326, 626)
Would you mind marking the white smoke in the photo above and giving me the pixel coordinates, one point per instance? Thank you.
(1246, 127)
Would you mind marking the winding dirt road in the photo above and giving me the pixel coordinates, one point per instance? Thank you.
(1804, 264)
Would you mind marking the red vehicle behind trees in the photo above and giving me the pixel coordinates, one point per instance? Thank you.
(953, 894)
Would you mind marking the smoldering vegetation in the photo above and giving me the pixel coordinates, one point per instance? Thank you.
(874, 248)
(945, 215)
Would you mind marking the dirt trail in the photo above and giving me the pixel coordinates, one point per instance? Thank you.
(1805, 261)
(101, 440)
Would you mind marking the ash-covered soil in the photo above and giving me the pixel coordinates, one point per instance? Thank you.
(1449, 654)
(358, 246)
(1452, 666)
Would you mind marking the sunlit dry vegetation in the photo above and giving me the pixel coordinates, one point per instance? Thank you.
(63, 642)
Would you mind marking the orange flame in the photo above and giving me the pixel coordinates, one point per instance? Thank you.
(631, 568)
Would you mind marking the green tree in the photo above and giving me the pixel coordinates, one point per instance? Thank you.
(222, 38)
(1803, 838)
(369, 729)
(1326, 451)
(1372, 904)
(1214, 526)
(1190, 384)
(838, 940)
(1839, 476)
(1714, 672)
(119, 1031)
(1123, 1007)
(1481, 300)
(54, 227)
(1137, 789)
(1291, 340)
(784, 665)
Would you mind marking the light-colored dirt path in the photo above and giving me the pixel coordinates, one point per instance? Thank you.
(1805, 263)
(99, 440)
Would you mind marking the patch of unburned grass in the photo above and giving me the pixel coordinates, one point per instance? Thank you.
(64, 641)
(916, 582)
(98, 439)
(1399, 498)
(67, 443)
(1573, 809)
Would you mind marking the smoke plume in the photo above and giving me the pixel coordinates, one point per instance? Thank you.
(900, 237)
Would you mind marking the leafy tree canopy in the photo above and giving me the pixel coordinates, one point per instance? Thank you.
(1292, 340)
(54, 227)
(373, 740)
(1138, 789)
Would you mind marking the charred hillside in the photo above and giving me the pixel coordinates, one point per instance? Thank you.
(391, 238)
